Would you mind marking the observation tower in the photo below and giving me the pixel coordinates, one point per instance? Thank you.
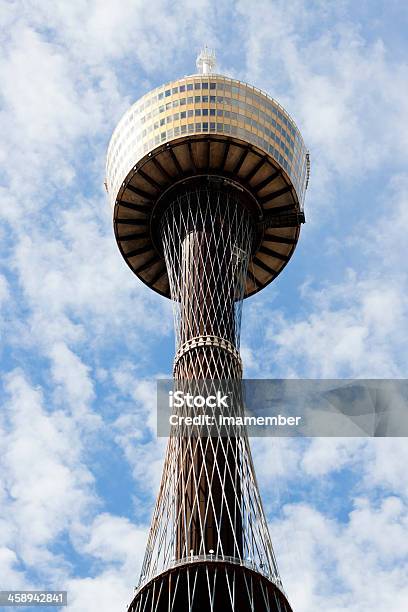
(207, 178)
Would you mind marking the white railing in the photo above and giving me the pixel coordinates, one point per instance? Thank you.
(213, 558)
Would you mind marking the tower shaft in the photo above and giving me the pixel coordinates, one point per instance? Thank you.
(207, 236)
(208, 519)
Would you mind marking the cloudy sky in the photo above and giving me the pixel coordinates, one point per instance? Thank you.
(83, 340)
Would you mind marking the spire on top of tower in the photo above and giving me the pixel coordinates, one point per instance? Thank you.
(206, 61)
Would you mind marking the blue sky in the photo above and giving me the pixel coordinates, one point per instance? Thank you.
(83, 340)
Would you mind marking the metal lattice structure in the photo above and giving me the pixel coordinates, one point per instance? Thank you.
(207, 222)
(209, 516)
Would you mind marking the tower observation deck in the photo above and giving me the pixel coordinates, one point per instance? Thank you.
(207, 178)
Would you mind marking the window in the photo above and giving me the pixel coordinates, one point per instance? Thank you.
(197, 85)
(205, 126)
(213, 99)
(190, 100)
(190, 113)
(198, 112)
(213, 85)
(167, 93)
(182, 88)
(160, 96)
(198, 127)
(205, 99)
(174, 90)
(205, 111)
(212, 112)
(189, 86)
(204, 85)
(182, 101)
(197, 99)
(183, 115)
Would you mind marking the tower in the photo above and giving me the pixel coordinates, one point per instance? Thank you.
(207, 177)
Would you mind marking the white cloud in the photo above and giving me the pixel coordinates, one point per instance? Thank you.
(135, 429)
(330, 455)
(335, 82)
(153, 34)
(107, 591)
(114, 539)
(356, 329)
(78, 289)
(10, 572)
(385, 467)
(71, 378)
(46, 492)
(356, 326)
(353, 566)
(4, 290)
(46, 486)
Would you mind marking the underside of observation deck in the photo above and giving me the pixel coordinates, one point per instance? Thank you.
(244, 168)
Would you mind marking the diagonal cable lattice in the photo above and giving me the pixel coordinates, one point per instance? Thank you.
(208, 520)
